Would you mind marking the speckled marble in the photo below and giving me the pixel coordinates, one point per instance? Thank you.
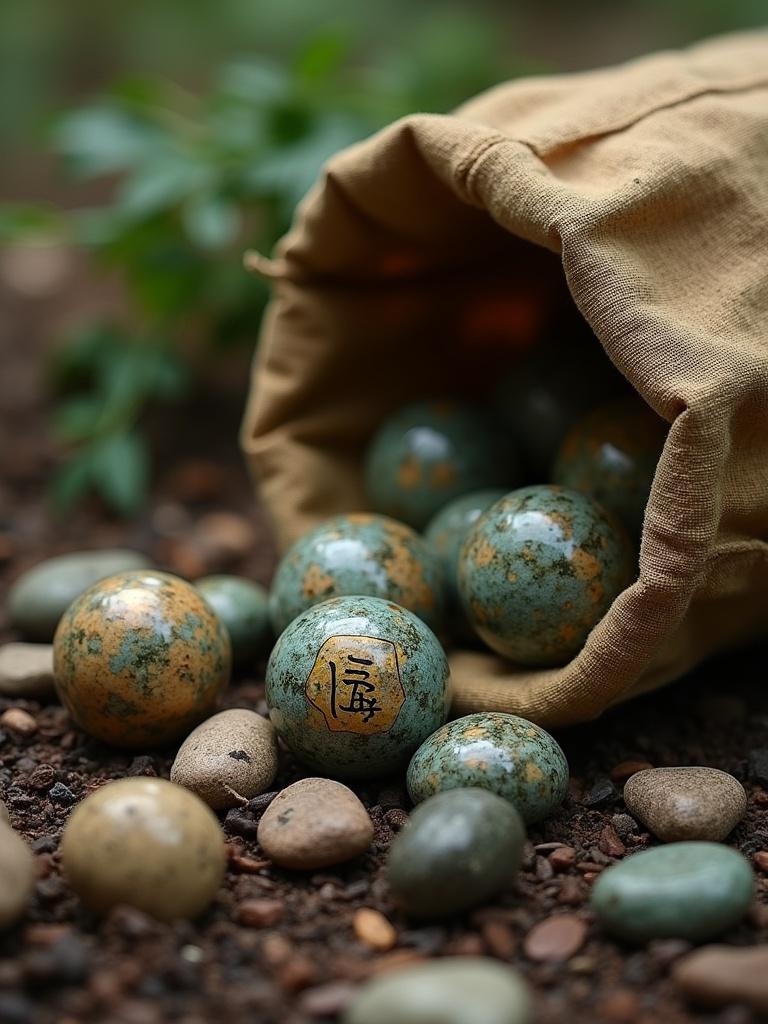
(243, 607)
(446, 533)
(539, 570)
(140, 658)
(460, 848)
(359, 553)
(688, 891)
(428, 453)
(611, 455)
(686, 803)
(355, 684)
(503, 753)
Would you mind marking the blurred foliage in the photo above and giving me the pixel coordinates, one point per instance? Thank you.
(196, 178)
(196, 174)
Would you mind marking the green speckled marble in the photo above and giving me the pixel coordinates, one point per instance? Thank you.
(429, 453)
(542, 395)
(460, 848)
(611, 455)
(446, 533)
(451, 990)
(359, 553)
(140, 659)
(539, 570)
(242, 606)
(39, 598)
(355, 684)
(688, 891)
(503, 753)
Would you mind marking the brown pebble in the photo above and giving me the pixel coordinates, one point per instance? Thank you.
(691, 803)
(571, 892)
(18, 721)
(588, 867)
(395, 960)
(620, 1006)
(248, 865)
(228, 759)
(718, 975)
(562, 858)
(499, 939)
(4, 815)
(298, 973)
(555, 939)
(26, 670)
(313, 824)
(761, 860)
(373, 929)
(256, 913)
(610, 844)
(623, 771)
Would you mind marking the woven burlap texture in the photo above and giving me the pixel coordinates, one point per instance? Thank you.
(649, 184)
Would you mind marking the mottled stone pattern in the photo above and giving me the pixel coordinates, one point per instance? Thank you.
(355, 684)
(503, 753)
(39, 598)
(359, 553)
(429, 453)
(460, 848)
(539, 570)
(686, 803)
(140, 658)
(243, 607)
(146, 843)
(446, 533)
(688, 891)
(611, 455)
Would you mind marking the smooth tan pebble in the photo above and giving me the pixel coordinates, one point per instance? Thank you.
(228, 759)
(315, 823)
(686, 803)
(147, 843)
(17, 875)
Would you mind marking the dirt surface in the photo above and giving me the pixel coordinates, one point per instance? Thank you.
(297, 958)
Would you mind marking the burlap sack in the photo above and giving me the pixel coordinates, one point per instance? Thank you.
(643, 187)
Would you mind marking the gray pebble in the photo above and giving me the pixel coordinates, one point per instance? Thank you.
(460, 847)
(313, 824)
(26, 670)
(39, 598)
(228, 759)
(686, 803)
(452, 990)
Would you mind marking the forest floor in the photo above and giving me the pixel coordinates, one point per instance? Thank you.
(303, 961)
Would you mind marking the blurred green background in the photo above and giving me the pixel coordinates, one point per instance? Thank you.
(162, 138)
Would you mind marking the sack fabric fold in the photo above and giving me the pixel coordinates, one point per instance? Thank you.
(434, 248)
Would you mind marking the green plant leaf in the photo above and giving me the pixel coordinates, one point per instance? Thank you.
(323, 55)
(259, 81)
(103, 140)
(160, 184)
(71, 482)
(120, 471)
(20, 222)
(211, 221)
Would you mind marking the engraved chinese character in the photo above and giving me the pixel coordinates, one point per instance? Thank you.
(358, 701)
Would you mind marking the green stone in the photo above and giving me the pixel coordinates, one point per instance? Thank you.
(446, 534)
(690, 891)
(452, 990)
(355, 684)
(611, 455)
(539, 570)
(429, 453)
(359, 553)
(39, 598)
(460, 848)
(243, 607)
(503, 753)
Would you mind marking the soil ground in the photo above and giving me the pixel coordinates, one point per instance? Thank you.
(62, 965)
